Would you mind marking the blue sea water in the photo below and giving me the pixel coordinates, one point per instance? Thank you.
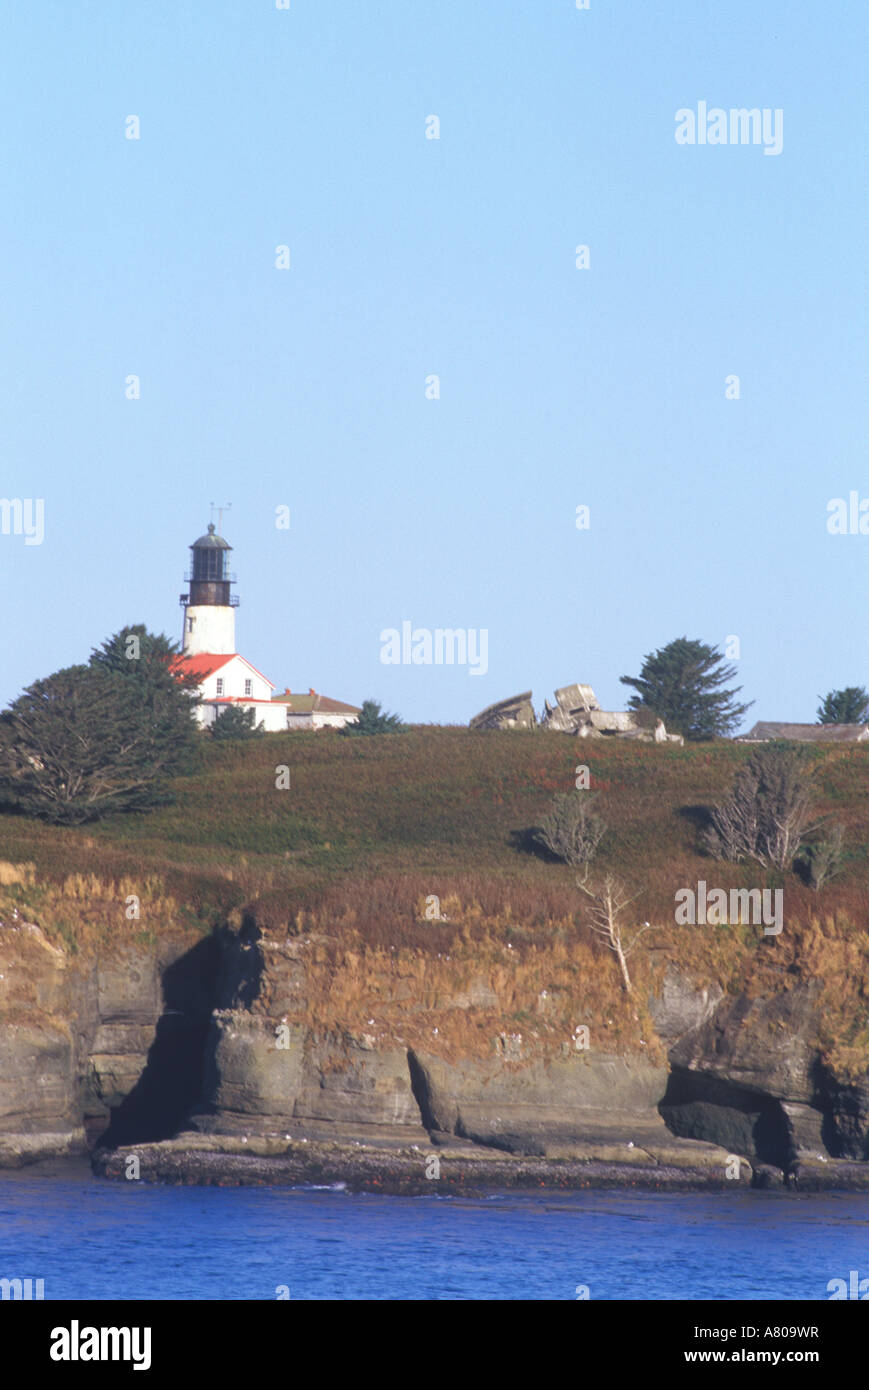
(104, 1240)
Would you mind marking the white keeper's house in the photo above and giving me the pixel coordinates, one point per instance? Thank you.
(224, 677)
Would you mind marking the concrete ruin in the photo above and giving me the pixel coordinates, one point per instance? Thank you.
(576, 711)
(575, 705)
(515, 713)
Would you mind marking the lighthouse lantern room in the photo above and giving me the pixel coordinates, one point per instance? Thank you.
(209, 607)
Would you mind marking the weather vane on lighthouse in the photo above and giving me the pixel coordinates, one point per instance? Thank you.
(220, 510)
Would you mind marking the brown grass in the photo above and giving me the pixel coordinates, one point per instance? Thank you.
(371, 827)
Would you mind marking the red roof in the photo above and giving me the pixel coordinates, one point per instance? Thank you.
(201, 666)
(205, 664)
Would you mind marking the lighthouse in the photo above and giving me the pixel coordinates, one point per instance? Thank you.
(223, 678)
(209, 607)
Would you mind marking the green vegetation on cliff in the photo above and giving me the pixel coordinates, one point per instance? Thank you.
(369, 829)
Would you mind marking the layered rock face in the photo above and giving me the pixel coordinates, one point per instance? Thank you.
(748, 1076)
(267, 1073)
(540, 1107)
(94, 1040)
(134, 1044)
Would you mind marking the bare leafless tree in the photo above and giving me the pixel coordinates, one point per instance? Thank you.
(609, 899)
(768, 814)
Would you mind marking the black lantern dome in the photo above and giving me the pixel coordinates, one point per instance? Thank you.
(209, 577)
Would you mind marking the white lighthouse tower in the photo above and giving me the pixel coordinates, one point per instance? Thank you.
(222, 677)
(209, 607)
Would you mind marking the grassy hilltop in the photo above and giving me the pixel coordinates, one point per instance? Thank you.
(369, 827)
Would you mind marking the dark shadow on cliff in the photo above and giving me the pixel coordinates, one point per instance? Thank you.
(843, 1127)
(526, 841)
(169, 1087)
(419, 1085)
(698, 1106)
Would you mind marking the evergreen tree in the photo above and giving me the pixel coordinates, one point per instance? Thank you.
(682, 684)
(848, 706)
(149, 663)
(83, 743)
(146, 657)
(372, 721)
(234, 723)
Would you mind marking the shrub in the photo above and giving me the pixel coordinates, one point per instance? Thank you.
(372, 721)
(571, 830)
(234, 723)
(823, 857)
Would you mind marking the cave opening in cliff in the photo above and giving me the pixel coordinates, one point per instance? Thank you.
(698, 1106)
(171, 1084)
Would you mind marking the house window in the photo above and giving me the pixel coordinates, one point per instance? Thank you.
(248, 688)
(189, 624)
(220, 685)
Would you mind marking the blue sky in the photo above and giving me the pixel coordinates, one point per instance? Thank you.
(456, 256)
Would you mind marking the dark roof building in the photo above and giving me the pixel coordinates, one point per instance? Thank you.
(766, 730)
(314, 704)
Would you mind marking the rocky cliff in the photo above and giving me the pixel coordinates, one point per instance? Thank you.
(205, 1058)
